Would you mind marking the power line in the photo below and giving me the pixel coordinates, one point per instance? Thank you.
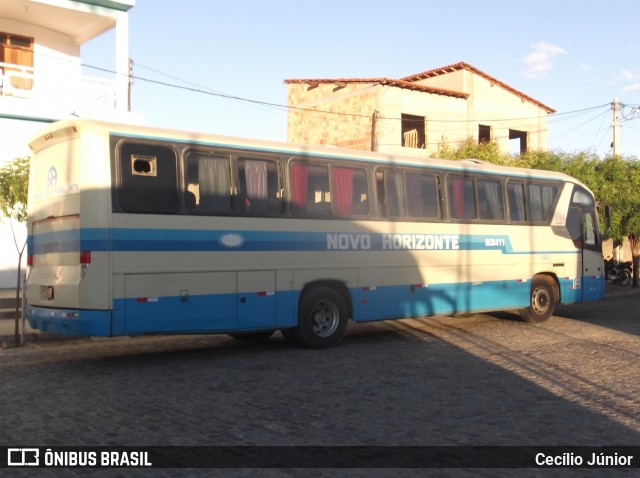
(195, 88)
(631, 111)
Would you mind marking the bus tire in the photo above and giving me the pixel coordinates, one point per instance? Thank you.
(253, 336)
(322, 318)
(542, 300)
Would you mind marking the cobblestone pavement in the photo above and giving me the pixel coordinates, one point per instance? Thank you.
(488, 379)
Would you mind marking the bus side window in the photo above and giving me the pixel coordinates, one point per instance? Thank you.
(208, 183)
(259, 187)
(574, 226)
(422, 195)
(350, 191)
(590, 230)
(540, 200)
(490, 200)
(515, 196)
(394, 194)
(310, 193)
(148, 178)
(462, 200)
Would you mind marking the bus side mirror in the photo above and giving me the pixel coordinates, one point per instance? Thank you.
(607, 216)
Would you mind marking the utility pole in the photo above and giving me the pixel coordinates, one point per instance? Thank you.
(616, 131)
(129, 81)
(374, 130)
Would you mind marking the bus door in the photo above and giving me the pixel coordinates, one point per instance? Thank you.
(583, 227)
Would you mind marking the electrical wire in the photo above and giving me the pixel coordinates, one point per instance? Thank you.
(457, 126)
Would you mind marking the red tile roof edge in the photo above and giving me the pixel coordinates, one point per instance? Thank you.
(408, 82)
(383, 81)
(466, 66)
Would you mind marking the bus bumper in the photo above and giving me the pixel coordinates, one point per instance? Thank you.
(82, 323)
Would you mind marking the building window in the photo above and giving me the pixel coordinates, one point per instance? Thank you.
(484, 134)
(414, 131)
(16, 62)
(517, 141)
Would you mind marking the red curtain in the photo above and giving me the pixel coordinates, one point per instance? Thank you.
(458, 197)
(342, 191)
(299, 186)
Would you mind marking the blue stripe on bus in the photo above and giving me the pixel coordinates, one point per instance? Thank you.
(220, 313)
(136, 240)
(79, 323)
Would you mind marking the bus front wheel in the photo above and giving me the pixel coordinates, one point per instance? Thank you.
(542, 300)
(322, 318)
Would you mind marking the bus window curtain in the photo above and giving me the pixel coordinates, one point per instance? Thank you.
(516, 202)
(458, 197)
(394, 192)
(414, 194)
(214, 184)
(535, 203)
(342, 191)
(493, 190)
(548, 196)
(255, 173)
(299, 187)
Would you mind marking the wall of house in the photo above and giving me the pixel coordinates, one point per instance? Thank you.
(343, 116)
(497, 108)
(54, 53)
(444, 116)
(454, 81)
(332, 115)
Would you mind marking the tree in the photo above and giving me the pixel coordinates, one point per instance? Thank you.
(14, 187)
(620, 188)
(485, 151)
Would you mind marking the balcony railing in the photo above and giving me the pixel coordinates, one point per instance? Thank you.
(79, 94)
(15, 80)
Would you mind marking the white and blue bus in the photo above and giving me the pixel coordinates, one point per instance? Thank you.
(134, 230)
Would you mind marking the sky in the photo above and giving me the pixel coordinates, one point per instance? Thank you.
(219, 66)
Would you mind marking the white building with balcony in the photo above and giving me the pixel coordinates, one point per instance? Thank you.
(41, 79)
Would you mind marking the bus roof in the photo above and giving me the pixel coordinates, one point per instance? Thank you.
(67, 128)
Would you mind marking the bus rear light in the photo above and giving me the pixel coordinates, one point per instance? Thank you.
(85, 262)
(30, 261)
(85, 257)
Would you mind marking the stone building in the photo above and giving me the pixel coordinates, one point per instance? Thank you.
(415, 114)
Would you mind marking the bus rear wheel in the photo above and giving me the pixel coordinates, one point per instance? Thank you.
(542, 300)
(322, 318)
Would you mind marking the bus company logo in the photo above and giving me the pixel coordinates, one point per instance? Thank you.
(231, 240)
(23, 457)
(52, 177)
